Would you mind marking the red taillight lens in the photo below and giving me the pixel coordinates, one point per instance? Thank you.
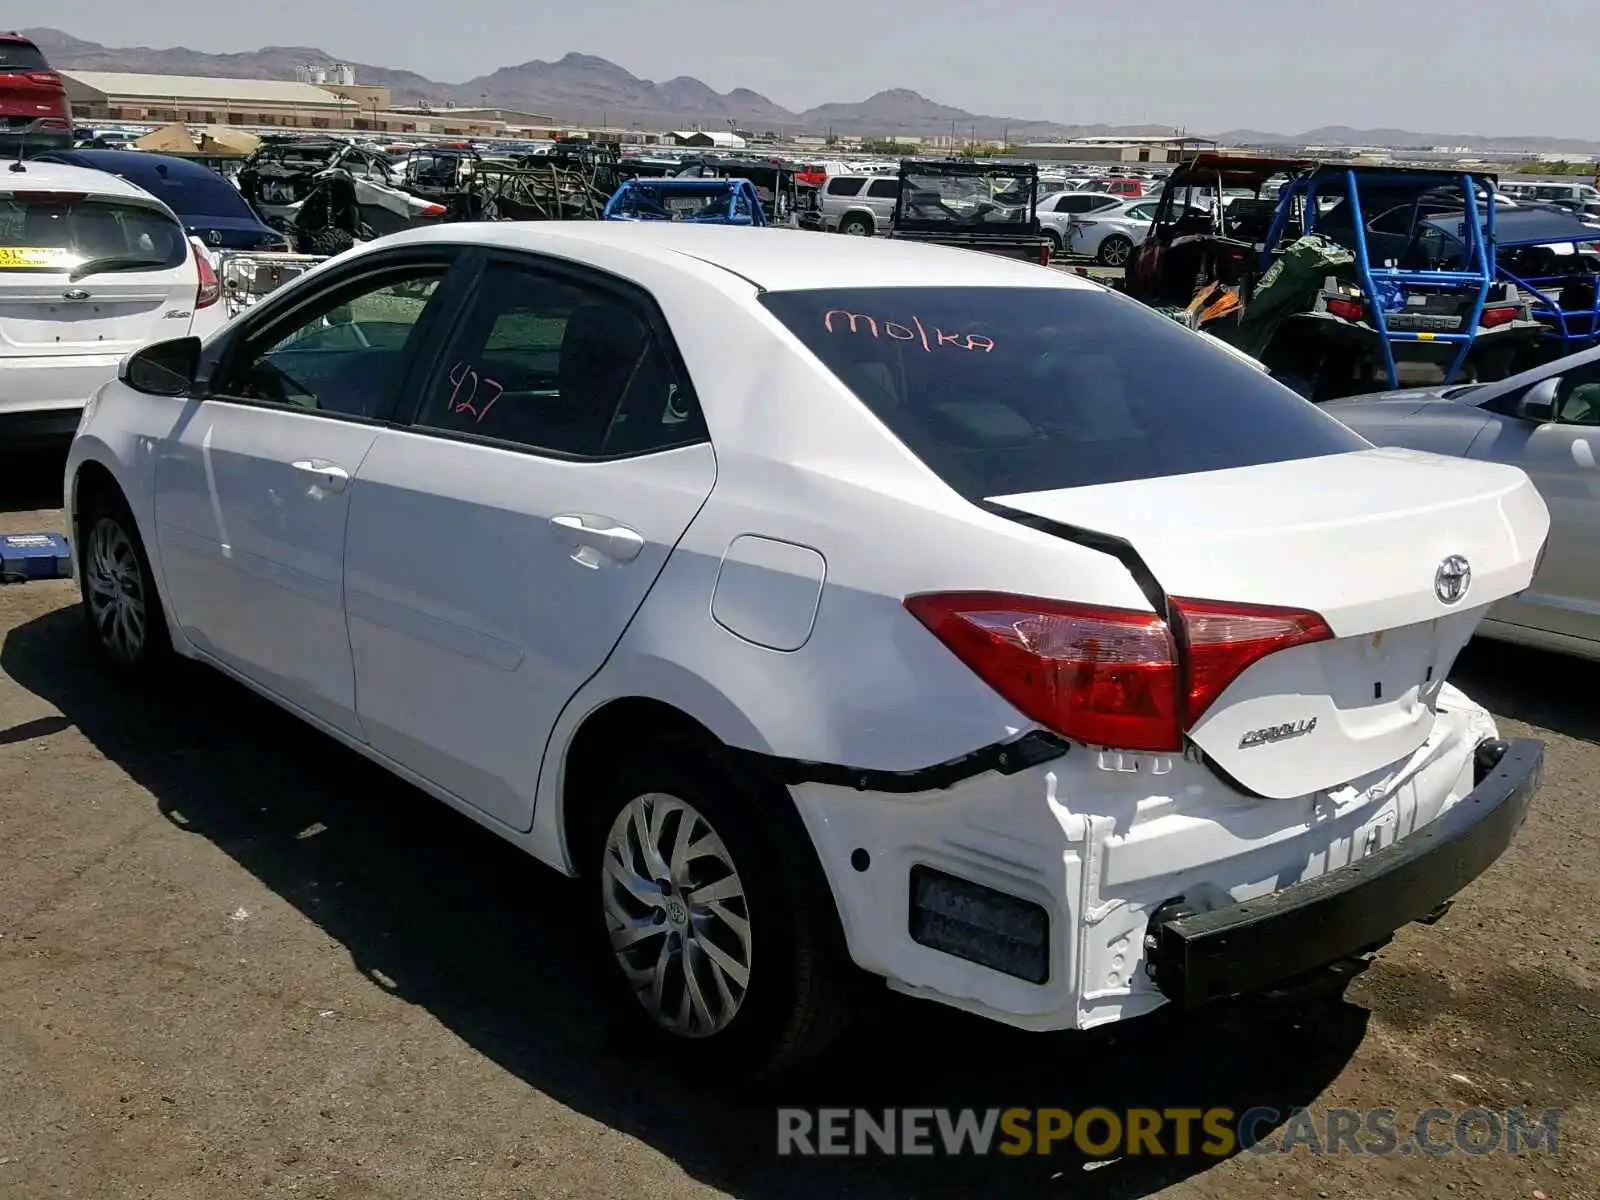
(1223, 640)
(208, 291)
(1106, 676)
(44, 78)
(1346, 310)
(1110, 676)
(1493, 318)
(55, 123)
(435, 210)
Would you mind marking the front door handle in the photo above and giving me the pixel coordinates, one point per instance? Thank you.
(330, 477)
(598, 535)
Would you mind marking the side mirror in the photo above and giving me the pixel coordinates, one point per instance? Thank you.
(163, 368)
(1538, 403)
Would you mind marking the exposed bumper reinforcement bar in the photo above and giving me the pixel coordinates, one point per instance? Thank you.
(1250, 947)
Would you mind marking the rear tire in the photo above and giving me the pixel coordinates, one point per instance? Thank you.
(123, 619)
(716, 947)
(856, 226)
(1115, 251)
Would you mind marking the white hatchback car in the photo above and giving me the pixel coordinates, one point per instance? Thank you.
(91, 268)
(840, 609)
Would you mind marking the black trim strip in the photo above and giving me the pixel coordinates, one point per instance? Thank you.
(1092, 539)
(1004, 758)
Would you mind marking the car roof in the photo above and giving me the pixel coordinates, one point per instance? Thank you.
(771, 259)
(39, 176)
(137, 162)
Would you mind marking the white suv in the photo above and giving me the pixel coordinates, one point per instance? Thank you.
(91, 268)
(860, 205)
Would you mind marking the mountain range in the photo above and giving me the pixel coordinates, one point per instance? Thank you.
(585, 89)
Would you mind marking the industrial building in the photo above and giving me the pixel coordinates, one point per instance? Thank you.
(1113, 149)
(197, 100)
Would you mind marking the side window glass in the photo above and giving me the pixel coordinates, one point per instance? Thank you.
(345, 355)
(884, 189)
(555, 365)
(845, 185)
(1578, 396)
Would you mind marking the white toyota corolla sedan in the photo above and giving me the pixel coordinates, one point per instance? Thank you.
(841, 609)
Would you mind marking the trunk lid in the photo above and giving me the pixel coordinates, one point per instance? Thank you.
(1362, 539)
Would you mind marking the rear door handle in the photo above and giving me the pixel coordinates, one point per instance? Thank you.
(598, 534)
(330, 477)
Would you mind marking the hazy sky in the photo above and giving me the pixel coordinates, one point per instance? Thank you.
(1481, 66)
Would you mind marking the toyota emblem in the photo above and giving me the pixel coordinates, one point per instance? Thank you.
(1452, 579)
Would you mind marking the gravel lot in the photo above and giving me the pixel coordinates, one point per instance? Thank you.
(236, 960)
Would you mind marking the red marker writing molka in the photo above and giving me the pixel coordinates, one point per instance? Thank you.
(838, 320)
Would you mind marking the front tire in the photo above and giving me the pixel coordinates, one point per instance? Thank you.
(1054, 238)
(720, 950)
(123, 618)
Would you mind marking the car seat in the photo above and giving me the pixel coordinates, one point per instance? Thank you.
(599, 351)
(97, 233)
(1582, 406)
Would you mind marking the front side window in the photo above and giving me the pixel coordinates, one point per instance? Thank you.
(552, 364)
(1004, 391)
(57, 231)
(343, 355)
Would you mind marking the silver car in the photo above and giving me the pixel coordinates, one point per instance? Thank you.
(1546, 421)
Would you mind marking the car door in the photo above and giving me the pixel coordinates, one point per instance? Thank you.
(1561, 457)
(252, 485)
(499, 545)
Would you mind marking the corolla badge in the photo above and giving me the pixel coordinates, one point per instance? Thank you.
(1452, 579)
(1277, 733)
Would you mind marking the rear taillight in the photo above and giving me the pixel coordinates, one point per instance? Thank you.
(1221, 641)
(1346, 310)
(1493, 318)
(55, 123)
(208, 291)
(1110, 676)
(44, 78)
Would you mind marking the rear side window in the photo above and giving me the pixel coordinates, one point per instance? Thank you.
(1004, 391)
(884, 189)
(846, 185)
(56, 231)
(17, 57)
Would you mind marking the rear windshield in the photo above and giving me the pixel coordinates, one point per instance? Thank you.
(53, 232)
(16, 57)
(196, 197)
(1004, 391)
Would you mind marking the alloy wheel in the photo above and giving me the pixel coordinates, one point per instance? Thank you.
(677, 915)
(114, 589)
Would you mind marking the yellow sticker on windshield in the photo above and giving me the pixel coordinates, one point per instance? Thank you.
(22, 257)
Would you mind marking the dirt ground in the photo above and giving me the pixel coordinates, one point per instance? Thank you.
(236, 960)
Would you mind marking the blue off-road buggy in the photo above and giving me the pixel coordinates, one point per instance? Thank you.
(1552, 256)
(1337, 280)
(701, 201)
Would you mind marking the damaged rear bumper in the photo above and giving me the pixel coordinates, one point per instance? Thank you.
(1251, 947)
